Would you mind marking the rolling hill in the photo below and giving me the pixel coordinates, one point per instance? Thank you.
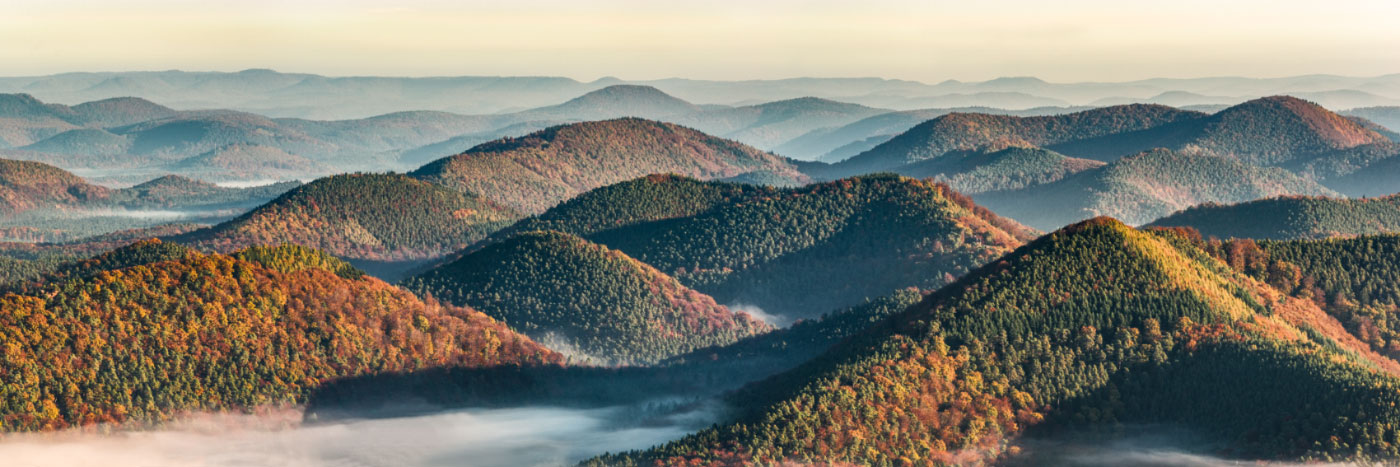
(248, 162)
(129, 339)
(967, 131)
(1092, 327)
(1277, 130)
(612, 102)
(1291, 218)
(541, 169)
(363, 216)
(992, 169)
(797, 252)
(26, 185)
(585, 300)
(1146, 186)
(769, 125)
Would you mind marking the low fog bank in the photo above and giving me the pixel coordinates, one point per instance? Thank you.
(536, 436)
(778, 321)
(1138, 445)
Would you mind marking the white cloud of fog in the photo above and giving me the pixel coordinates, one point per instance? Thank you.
(147, 214)
(247, 183)
(480, 438)
(753, 310)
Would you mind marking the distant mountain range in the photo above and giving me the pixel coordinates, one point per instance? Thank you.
(336, 98)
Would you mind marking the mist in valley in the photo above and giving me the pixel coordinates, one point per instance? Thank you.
(533, 436)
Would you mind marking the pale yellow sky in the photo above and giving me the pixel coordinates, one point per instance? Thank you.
(1068, 40)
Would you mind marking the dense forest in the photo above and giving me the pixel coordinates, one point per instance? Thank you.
(26, 185)
(802, 252)
(165, 330)
(571, 294)
(364, 216)
(969, 131)
(1096, 325)
(1291, 217)
(539, 170)
(1146, 186)
(992, 169)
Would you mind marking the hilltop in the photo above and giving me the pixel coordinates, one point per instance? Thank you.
(595, 302)
(795, 252)
(541, 169)
(1146, 186)
(26, 185)
(363, 216)
(259, 328)
(992, 169)
(967, 131)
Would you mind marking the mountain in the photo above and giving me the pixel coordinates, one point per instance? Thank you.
(82, 142)
(796, 252)
(999, 99)
(585, 300)
(311, 96)
(770, 125)
(1291, 217)
(539, 170)
(25, 120)
(26, 185)
(641, 200)
(39, 202)
(121, 111)
(128, 338)
(613, 102)
(1087, 330)
(822, 143)
(965, 131)
(174, 191)
(170, 140)
(1276, 130)
(363, 216)
(990, 169)
(1146, 186)
(418, 156)
(248, 161)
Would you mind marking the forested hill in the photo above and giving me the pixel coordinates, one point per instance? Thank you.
(796, 252)
(968, 131)
(998, 169)
(539, 170)
(148, 332)
(1141, 188)
(1291, 217)
(572, 294)
(26, 185)
(1088, 328)
(641, 200)
(363, 216)
(1278, 129)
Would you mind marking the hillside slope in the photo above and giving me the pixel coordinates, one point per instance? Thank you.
(967, 131)
(363, 216)
(537, 171)
(138, 342)
(583, 298)
(796, 252)
(1147, 186)
(1286, 218)
(1087, 328)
